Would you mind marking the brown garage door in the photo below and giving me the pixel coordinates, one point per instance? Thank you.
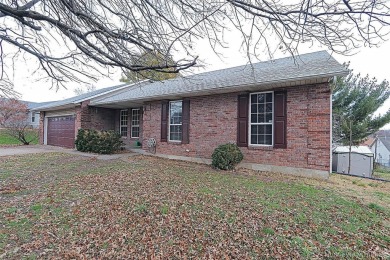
(60, 131)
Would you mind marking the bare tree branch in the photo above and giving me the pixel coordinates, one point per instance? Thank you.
(73, 40)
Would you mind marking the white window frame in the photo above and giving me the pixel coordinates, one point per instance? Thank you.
(120, 123)
(169, 120)
(250, 123)
(139, 121)
(32, 117)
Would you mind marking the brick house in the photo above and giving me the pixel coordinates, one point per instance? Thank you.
(278, 113)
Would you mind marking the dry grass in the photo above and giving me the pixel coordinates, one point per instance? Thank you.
(63, 206)
(365, 191)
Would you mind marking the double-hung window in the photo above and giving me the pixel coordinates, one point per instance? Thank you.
(123, 123)
(32, 117)
(175, 120)
(261, 118)
(135, 121)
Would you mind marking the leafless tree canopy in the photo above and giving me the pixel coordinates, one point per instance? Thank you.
(69, 38)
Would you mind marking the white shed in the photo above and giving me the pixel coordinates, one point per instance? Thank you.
(362, 160)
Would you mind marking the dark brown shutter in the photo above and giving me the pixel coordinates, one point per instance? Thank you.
(280, 120)
(164, 120)
(186, 121)
(242, 120)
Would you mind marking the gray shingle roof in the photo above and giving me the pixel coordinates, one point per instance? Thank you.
(306, 66)
(79, 98)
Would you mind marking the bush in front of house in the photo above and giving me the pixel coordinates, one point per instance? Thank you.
(226, 156)
(103, 142)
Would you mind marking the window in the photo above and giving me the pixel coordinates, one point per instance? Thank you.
(135, 120)
(261, 118)
(175, 120)
(123, 123)
(32, 117)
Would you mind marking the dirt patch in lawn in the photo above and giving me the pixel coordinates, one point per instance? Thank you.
(145, 207)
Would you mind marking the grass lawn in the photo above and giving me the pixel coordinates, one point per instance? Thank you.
(6, 140)
(382, 173)
(65, 206)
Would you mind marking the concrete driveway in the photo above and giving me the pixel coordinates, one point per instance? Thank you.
(27, 149)
(31, 149)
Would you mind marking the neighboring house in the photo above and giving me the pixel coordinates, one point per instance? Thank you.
(381, 149)
(383, 133)
(369, 141)
(34, 116)
(278, 113)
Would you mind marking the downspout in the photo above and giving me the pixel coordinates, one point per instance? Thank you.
(331, 127)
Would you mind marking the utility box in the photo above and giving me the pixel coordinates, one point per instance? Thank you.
(362, 160)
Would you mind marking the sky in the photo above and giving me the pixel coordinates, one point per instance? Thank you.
(373, 61)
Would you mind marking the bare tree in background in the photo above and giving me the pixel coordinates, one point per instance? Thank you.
(14, 120)
(82, 90)
(72, 40)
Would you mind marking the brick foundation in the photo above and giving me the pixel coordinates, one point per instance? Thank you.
(213, 121)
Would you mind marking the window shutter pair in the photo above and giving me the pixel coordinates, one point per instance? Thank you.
(185, 121)
(280, 120)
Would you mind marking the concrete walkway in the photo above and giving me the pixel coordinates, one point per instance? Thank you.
(31, 149)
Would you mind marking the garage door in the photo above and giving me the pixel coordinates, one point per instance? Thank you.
(60, 131)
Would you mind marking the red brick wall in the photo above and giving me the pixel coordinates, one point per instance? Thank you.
(94, 117)
(213, 121)
(100, 119)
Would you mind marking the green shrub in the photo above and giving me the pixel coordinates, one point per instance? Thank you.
(103, 142)
(226, 156)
